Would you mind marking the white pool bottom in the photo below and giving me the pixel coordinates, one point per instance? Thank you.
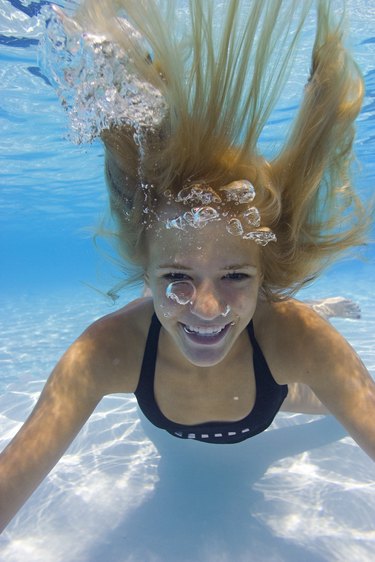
(302, 491)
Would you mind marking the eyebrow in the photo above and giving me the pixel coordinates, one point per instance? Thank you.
(226, 268)
(174, 266)
(240, 266)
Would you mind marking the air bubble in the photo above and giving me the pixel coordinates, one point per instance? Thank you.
(178, 223)
(203, 215)
(252, 217)
(189, 218)
(198, 217)
(226, 311)
(234, 227)
(241, 191)
(197, 193)
(167, 315)
(181, 292)
(261, 237)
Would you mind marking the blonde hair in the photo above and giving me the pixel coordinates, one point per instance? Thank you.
(220, 72)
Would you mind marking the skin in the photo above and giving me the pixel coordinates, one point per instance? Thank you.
(191, 380)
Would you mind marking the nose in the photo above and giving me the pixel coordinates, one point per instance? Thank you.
(207, 304)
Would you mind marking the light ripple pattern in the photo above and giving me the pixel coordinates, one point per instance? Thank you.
(125, 492)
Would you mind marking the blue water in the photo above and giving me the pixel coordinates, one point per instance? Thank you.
(301, 491)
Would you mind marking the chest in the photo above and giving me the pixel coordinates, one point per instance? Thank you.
(192, 396)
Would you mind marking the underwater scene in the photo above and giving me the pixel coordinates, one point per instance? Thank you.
(124, 491)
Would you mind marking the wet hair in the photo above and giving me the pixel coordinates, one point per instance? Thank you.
(220, 72)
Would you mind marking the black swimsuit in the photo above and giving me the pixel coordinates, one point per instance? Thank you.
(269, 397)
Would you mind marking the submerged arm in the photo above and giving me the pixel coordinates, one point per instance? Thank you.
(315, 354)
(69, 397)
(348, 391)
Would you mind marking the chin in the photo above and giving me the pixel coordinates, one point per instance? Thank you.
(206, 357)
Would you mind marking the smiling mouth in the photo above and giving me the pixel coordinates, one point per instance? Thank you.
(205, 335)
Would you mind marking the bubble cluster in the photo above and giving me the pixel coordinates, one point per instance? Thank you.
(99, 87)
(95, 79)
(245, 224)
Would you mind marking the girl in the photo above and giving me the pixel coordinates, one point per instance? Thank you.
(221, 237)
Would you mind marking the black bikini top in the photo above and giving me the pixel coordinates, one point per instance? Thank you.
(269, 397)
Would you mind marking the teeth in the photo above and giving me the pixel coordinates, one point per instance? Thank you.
(203, 331)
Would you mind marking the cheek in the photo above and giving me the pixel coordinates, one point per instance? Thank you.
(242, 300)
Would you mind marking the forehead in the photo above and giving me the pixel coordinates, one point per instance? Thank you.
(211, 242)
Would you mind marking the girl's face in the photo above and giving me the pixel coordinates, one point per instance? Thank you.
(223, 275)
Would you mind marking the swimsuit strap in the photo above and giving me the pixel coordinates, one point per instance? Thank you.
(268, 391)
(147, 374)
(263, 375)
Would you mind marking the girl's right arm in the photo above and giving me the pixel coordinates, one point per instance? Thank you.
(67, 401)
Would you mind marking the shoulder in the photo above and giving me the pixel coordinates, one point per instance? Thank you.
(111, 348)
(299, 345)
(129, 320)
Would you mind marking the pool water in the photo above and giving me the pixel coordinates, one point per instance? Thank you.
(125, 492)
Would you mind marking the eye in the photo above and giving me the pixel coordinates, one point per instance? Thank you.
(174, 276)
(236, 276)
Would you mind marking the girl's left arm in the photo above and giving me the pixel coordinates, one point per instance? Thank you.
(321, 368)
(352, 402)
(342, 383)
